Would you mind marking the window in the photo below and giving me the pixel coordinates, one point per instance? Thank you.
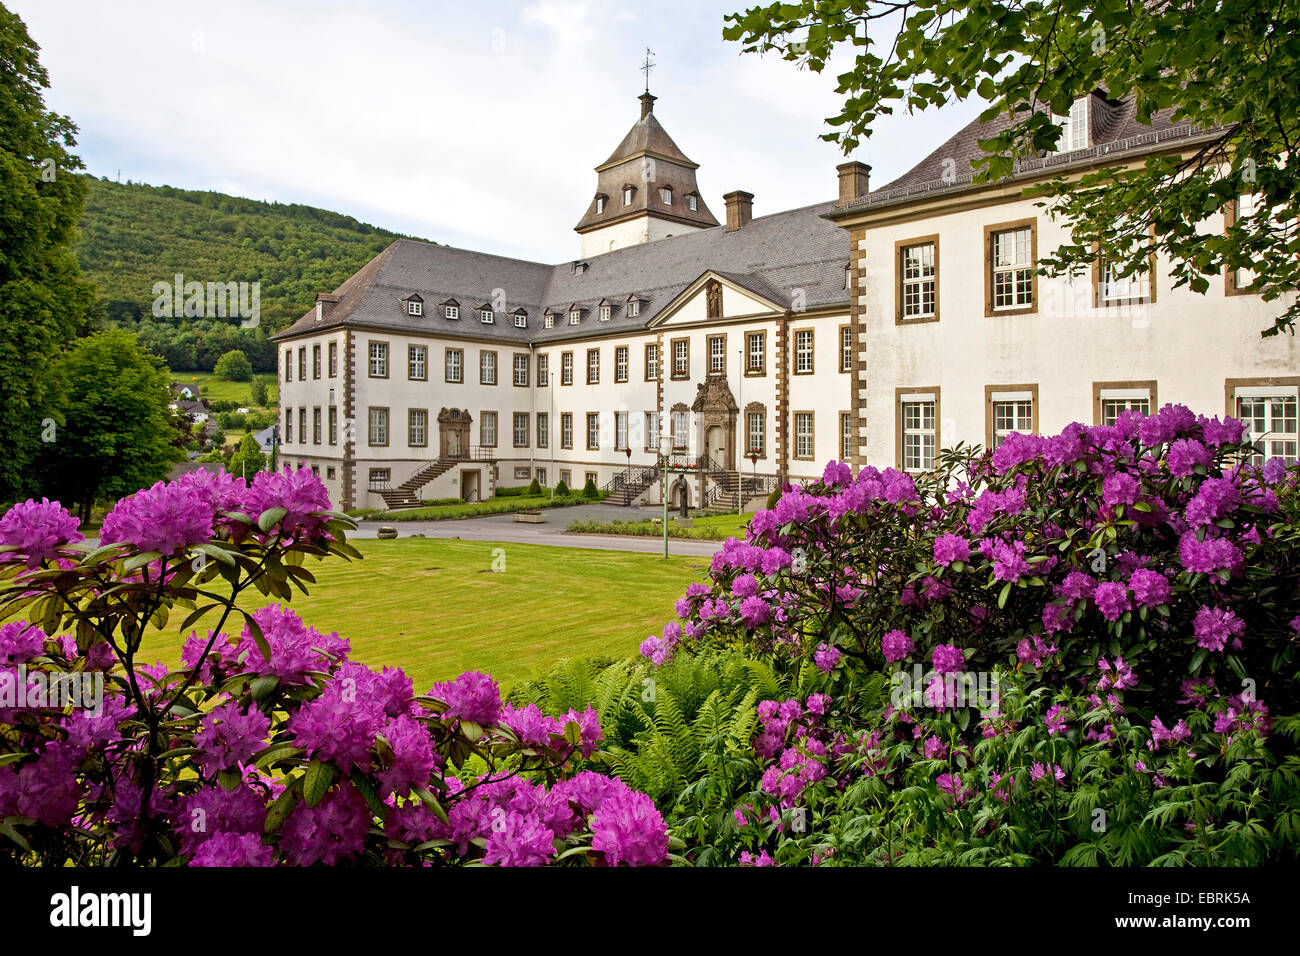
(521, 429)
(315, 361)
(1009, 256)
(302, 425)
(521, 370)
(918, 434)
(566, 368)
(523, 472)
(652, 431)
(651, 362)
(521, 320)
(487, 429)
(379, 360)
(566, 429)
(593, 366)
(593, 431)
(329, 472)
(628, 192)
(543, 430)
(666, 194)
(379, 426)
(717, 353)
(846, 348)
(755, 353)
(681, 358)
(848, 277)
(316, 422)
(1111, 399)
(1009, 408)
(846, 436)
(566, 476)
(415, 362)
(755, 433)
(1269, 412)
(288, 426)
(620, 363)
(487, 368)
(548, 320)
(600, 204)
(620, 431)
(917, 288)
(633, 307)
(414, 307)
(417, 427)
(681, 422)
(541, 477)
(455, 362)
(1074, 127)
(380, 476)
(605, 313)
(592, 476)
(288, 365)
(1244, 206)
(486, 316)
(575, 316)
(452, 311)
(692, 202)
(543, 371)
(334, 359)
(334, 424)
(803, 352)
(803, 434)
(1116, 289)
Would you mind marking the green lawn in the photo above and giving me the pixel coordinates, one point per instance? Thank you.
(214, 389)
(713, 527)
(503, 504)
(436, 608)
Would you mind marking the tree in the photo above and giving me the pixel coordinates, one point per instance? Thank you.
(118, 433)
(589, 490)
(43, 300)
(233, 366)
(1224, 68)
(248, 459)
(259, 390)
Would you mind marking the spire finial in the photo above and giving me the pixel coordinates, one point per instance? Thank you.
(647, 66)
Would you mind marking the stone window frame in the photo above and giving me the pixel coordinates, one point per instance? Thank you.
(410, 361)
(708, 351)
(333, 359)
(543, 369)
(593, 371)
(514, 369)
(566, 426)
(1098, 267)
(812, 351)
(627, 363)
(845, 351)
(685, 373)
(370, 426)
(899, 392)
(846, 417)
(900, 247)
(496, 429)
(333, 425)
(1231, 210)
(302, 425)
(543, 429)
(370, 359)
(681, 408)
(288, 365)
(990, 420)
(1131, 385)
(482, 367)
(761, 371)
(566, 359)
(316, 425)
(593, 418)
(288, 425)
(812, 434)
(755, 408)
(446, 366)
(990, 233)
(651, 434)
(302, 363)
(409, 413)
(315, 361)
(658, 362)
(514, 428)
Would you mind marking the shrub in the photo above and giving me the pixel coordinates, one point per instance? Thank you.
(267, 746)
(562, 489)
(589, 491)
(1127, 598)
(534, 488)
(233, 366)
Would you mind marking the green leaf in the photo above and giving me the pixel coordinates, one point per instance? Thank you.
(316, 781)
(280, 809)
(264, 687)
(1002, 597)
(270, 517)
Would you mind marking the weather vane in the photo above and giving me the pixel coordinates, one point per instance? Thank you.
(647, 66)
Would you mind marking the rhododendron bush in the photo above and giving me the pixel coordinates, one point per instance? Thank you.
(267, 746)
(1079, 648)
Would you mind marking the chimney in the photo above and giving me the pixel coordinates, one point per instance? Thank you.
(647, 104)
(854, 181)
(740, 208)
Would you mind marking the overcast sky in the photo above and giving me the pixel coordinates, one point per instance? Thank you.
(475, 123)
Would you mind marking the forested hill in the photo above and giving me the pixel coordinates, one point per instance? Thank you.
(134, 235)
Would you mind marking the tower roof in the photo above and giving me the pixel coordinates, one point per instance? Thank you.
(648, 161)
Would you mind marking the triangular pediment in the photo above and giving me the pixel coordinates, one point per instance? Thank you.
(739, 295)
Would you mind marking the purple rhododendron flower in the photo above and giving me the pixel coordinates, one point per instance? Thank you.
(896, 645)
(38, 529)
(1216, 498)
(629, 830)
(1119, 489)
(20, 642)
(1056, 719)
(518, 839)
(948, 659)
(826, 657)
(233, 849)
(228, 736)
(949, 548)
(837, 473)
(1185, 455)
(1215, 626)
(1150, 588)
(755, 611)
(1208, 556)
(473, 696)
(1112, 600)
(167, 518)
(301, 493)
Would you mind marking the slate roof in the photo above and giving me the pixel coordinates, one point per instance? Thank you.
(770, 255)
(1113, 131)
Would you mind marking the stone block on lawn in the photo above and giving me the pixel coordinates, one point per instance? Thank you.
(387, 531)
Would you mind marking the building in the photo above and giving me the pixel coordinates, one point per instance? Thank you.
(764, 347)
(956, 340)
(436, 372)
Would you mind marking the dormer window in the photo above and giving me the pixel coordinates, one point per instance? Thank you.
(605, 312)
(666, 194)
(600, 204)
(633, 308)
(1074, 127)
(486, 316)
(575, 316)
(628, 193)
(848, 276)
(548, 320)
(521, 319)
(692, 202)
(451, 309)
(414, 307)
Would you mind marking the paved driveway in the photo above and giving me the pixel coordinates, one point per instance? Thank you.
(505, 528)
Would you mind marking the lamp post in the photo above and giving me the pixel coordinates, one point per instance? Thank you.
(665, 449)
(628, 474)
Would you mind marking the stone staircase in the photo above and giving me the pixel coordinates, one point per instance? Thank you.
(627, 485)
(405, 495)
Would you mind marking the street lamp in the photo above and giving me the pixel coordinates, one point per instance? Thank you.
(665, 449)
(627, 475)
